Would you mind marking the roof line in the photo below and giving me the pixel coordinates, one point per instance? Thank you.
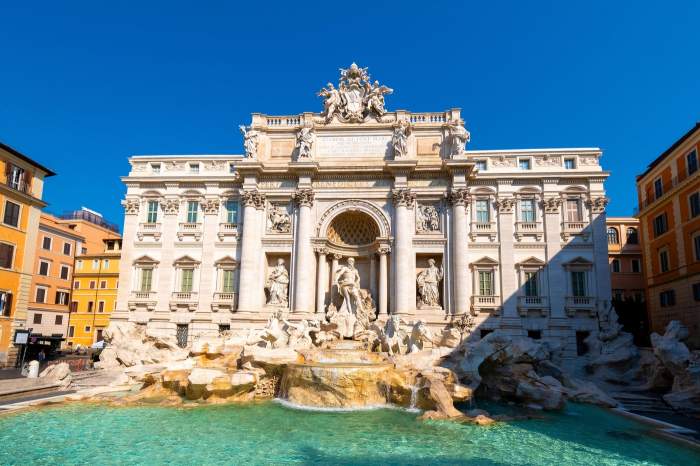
(20, 155)
(673, 147)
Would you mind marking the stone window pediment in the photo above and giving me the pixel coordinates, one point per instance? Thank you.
(227, 262)
(531, 262)
(485, 262)
(186, 261)
(578, 263)
(144, 261)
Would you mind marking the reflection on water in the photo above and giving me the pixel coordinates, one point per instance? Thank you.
(272, 433)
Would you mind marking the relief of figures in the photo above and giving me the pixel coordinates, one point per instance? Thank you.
(278, 285)
(427, 219)
(428, 285)
(280, 221)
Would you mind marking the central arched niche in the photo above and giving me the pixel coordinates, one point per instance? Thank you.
(352, 228)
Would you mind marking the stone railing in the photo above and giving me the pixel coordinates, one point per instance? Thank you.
(193, 229)
(184, 296)
(183, 300)
(429, 117)
(149, 229)
(143, 295)
(580, 303)
(290, 120)
(527, 303)
(528, 228)
(145, 300)
(227, 229)
(224, 301)
(572, 228)
(486, 303)
(483, 228)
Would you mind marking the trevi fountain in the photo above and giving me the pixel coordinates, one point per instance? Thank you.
(384, 296)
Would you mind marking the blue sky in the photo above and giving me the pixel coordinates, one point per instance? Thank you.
(84, 85)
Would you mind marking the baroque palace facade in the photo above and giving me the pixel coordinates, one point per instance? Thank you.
(514, 238)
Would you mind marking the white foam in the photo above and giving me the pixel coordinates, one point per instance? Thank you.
(289, 404)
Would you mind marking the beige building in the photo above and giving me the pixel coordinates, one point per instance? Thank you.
(625, 253)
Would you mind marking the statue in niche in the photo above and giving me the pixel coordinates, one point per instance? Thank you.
(280, 222)
(278, 285)
(428, 281)
(427, 219)
(250, 141)
(348, 280)
(399, 140)
(305, 139)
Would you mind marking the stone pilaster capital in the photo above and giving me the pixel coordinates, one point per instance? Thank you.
(597, 205)
(505, 205)
(210, 206)
(321, 250)
(403, 197)
(304, 197)
(459, 197)
(384, 250)
(551, 204)
(131, 206)
(254, 198)
(337, 256)
(170, 206)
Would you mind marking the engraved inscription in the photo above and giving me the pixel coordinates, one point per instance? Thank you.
(343, 146)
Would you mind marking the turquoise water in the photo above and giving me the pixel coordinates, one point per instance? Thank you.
(270, 433)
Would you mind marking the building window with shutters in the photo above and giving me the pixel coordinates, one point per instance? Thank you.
(527, 210)
(7, 255)
(11, 214)
(231, 212)
(186, 280)
(573, 210)
(192, 211)
(152, 212)
(483, 214)
(578, 283)
(5, 303)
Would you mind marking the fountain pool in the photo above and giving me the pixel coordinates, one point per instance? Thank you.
(269, 433)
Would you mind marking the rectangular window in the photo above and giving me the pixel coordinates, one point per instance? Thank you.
(7, 252)
(5, 303)
(92, 284)
(46, 243)
(37, 318)
(71, 331)
(531, 284)
(667, 298)
(67, 249)
(569, 164)
(636, 266)
(696, 244)
(581, 346)
(186, 276)
(617, 295)
(227, 281)
(194, 168)
(534, 334)
(482, 211)
(110, 245)
(663, 261)
(40, 295)
(65, 272)
(58, 320)
(44, 268)
(615, 265)
(524, 164)
(658, 188)
(88, 328)
(106, 264)
(192, 210)
(232, 212)
(692, 161)
(146, 279)
(61, 298)
(181, 333)
(73, 307)
(155, 167)
(527, 210)
(484, 332)
(224, 328)
(79, 264)
(101, 306)
(578, 283)
(660, 224)
(17, 179)
(103, 284)
(91, 305)
(11, 216)
(573, 210)
(485, 283)
(694, 204)
(232, 168)
(480, 165)
(76, 285)
(696, 291)
(152, 212)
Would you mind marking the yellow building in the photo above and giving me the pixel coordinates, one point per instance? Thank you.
(21, 188)
(95, 284)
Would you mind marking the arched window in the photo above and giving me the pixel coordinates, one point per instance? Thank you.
(632, 236)
(613, 237)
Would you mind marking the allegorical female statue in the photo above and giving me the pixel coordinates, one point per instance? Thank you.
(428, 281)
(348, 280)
(278, 285)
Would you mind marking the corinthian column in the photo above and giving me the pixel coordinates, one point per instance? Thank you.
(383, 279)
(459, 199)
(404, 258)
(249, 292)
(304, 263)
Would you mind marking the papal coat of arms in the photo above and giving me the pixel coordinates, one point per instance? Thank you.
(355, 99)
